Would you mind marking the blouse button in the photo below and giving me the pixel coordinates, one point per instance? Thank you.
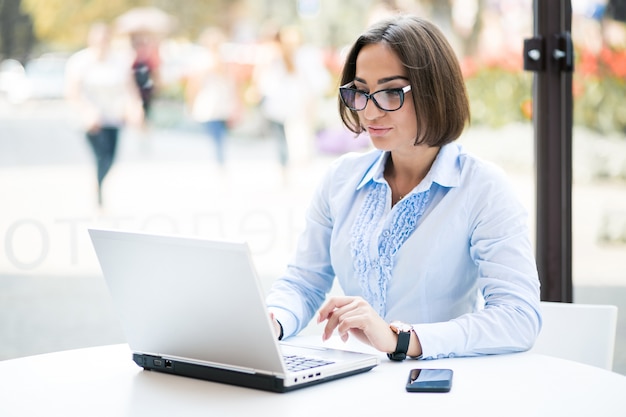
(386, 233)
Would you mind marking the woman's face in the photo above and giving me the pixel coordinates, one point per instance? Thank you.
(378, 68)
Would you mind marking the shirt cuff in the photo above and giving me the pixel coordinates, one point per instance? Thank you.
(440, 340)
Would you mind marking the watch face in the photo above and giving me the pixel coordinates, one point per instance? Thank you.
(398, 326)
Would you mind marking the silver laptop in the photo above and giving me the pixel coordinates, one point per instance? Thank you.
(195, 307)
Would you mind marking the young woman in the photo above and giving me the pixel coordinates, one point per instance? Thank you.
(430, 245)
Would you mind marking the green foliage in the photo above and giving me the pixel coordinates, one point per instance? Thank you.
(498, 96)
(602, 106)
(599, 90)
(66, 22)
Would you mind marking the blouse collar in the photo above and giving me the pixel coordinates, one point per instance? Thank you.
(445, 171)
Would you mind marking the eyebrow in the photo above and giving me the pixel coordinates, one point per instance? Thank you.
(383, 80)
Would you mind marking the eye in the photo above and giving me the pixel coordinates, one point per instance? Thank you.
(389, 94)
(392, 91)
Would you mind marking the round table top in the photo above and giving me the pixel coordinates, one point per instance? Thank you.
(104, 381)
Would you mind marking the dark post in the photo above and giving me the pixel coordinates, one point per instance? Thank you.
(550, 54)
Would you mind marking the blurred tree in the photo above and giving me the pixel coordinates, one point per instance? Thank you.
(196, 15)
(471, 40)
(63, 24)
(465, 39)
(441, 13)
(16, 31)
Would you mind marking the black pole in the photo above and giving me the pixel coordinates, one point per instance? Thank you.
(550, 54)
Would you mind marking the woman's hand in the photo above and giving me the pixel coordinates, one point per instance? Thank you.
(354, 315)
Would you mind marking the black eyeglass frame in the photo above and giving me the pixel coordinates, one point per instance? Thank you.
(402, 92)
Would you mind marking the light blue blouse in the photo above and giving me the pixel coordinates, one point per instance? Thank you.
(453, 257)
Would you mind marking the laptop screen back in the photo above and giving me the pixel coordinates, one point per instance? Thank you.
(188, 298)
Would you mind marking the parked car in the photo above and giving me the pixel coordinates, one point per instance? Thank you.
(12, 80)
(45, 77)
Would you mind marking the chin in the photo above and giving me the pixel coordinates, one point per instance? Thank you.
(381, 144)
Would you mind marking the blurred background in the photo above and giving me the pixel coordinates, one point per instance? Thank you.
(170, 175)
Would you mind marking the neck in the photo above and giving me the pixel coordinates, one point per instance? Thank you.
(404, 172)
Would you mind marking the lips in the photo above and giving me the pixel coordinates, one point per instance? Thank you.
(377, 130)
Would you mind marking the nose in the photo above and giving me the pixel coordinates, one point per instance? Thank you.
(371, 110)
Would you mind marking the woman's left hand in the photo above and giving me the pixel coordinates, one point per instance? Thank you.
(354, 315)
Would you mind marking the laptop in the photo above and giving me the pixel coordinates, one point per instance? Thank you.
(195, 307)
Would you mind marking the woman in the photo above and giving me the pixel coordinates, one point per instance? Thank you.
(429, 244)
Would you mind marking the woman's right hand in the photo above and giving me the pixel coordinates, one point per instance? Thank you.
(354, 315)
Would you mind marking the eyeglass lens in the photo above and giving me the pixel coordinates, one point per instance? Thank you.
(387, 100)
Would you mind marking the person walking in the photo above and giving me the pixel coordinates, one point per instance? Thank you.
(211, 92)
(100, 86)
(289, 81)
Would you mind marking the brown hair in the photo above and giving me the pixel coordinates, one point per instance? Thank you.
(437, 85)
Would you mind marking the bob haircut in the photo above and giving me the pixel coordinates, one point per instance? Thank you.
(437, 85)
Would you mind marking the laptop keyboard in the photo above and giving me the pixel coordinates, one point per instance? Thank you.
(300, 363)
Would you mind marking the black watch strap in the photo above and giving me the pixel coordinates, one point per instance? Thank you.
(402, 347)
(282, 334)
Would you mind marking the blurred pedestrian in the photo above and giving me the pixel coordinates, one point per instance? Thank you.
(102, 90)
(289, 79)
(145, 68)
(211, 91)
(146, 27)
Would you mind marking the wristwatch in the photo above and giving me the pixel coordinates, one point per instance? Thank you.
(403, 331)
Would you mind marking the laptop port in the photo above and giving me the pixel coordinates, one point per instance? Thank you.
(168, 363)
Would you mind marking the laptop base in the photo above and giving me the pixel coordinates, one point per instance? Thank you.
(225, 376)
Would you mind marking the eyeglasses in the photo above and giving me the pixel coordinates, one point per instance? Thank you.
(390, 99)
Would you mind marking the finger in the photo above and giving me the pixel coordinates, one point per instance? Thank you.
(331, 323)
(338, 316)
(350, 320)
(331, 305)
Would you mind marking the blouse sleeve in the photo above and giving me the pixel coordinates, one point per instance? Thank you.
(499, 245)
(299, 292)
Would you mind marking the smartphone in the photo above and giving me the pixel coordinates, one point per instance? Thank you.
(429, 380)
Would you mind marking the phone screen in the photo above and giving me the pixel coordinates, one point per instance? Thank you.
(429, 380)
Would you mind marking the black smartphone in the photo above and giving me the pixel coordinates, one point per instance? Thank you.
(429, 380)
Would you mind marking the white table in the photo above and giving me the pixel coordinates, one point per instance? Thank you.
(104, 381)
